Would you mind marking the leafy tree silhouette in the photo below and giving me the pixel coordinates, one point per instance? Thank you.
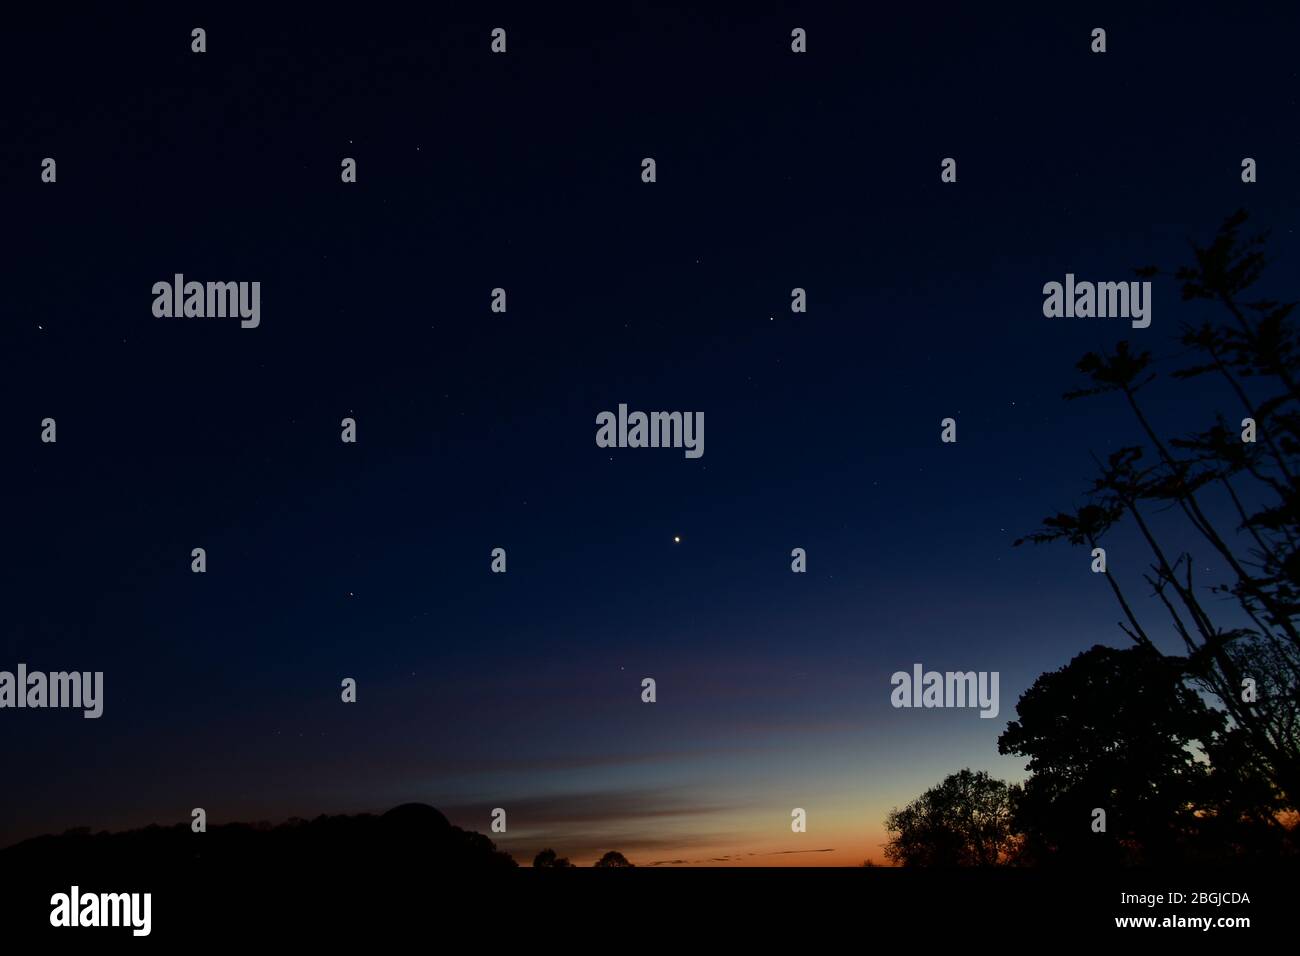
(1113, 729)
(613, 859)
(963, 821)
(547, 860)
(1256, 638)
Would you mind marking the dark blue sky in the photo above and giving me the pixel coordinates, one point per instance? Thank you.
(476, 430)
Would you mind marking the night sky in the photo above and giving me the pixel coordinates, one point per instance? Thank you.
(476, 429)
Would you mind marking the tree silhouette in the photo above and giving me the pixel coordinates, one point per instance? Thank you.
(547, 860)
(963, 821)
(613, 859)
(1244, 649)
(1113, 729)
(408, 835)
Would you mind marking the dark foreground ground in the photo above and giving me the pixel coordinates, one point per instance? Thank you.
(410, 877)
(668, 906)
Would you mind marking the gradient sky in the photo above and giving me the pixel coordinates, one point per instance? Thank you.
(476, 430)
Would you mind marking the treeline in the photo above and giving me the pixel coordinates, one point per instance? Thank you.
(1185, 745)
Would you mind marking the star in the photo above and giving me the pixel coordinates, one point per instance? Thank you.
(677, 539)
